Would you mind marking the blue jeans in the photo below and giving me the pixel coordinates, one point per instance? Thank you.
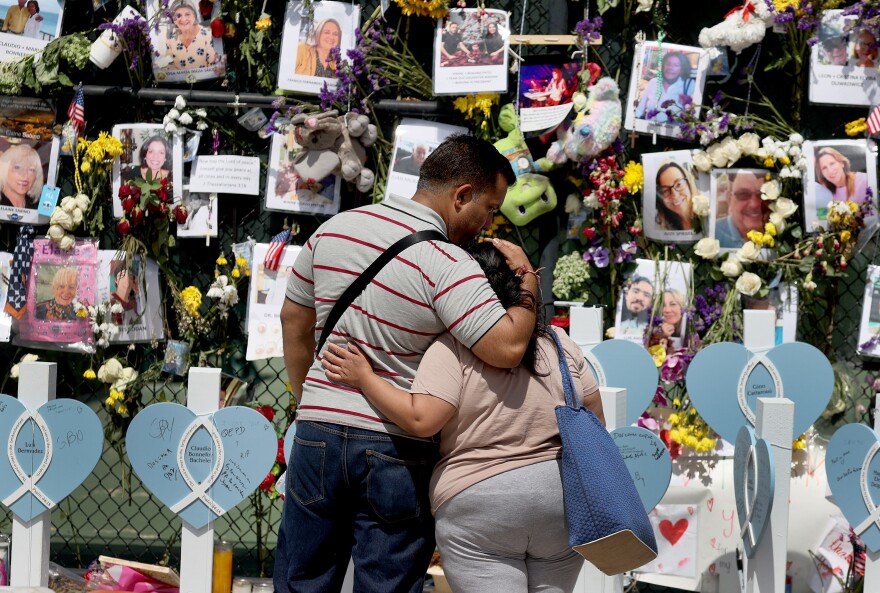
(355, 493)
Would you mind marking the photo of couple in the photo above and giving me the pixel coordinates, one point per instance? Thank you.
(639, 298)
(844, 61)
(471, 42)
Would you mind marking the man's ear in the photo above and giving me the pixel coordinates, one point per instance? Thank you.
(462, 195)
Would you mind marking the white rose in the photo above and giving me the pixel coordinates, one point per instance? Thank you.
(784, 206)
(644, 5)
(215, 292)
(68, 203)
(116, 309)
(592, 200)
(179, 102)
(109, 371)
(170, 128)
(67, 242)
(708, 248)
(185, 119)
(62, 219)
(13, 372)
(788, 171)
(748, 283)
(749, 143)
(796, 139)
(748, 252)
(56, 232)
(77, 216)
(771, 190)
(778, 221)
(717, 156)
(731, 267)
(731, 150)
(573, 204)
(30, 358)
(173, 115)
(702, 161)
(82, 202)
(701, 205)
(126, 376)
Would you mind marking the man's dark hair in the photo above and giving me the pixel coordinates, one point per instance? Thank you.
(462, 159)
(638, 280)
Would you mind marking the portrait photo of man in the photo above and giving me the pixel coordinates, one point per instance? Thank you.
(739, 207)
(636, 302)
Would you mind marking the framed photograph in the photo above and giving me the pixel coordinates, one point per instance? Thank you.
(28, 26)
(470, 52)
(870, 325)
(202, 219)
(639, 296)
(184, 48)
(838, 170)
(287, 192)
(735, 205)
(135, 287)
(671, 184)
(843, 66)
(665, 81)
(176, 359)
(60, 280)
(147, 151)
(783, 301)
(28, 157)
(306, 65)
(545, 93)
(265, 297)
(414, 140)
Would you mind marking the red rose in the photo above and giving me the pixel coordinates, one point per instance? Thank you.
(135, 192)
(152, 206)
(128, 203)
(123, 227)
(162, 194)
(180, 214)
(124, 190)
(589, 233)
(279, 457)
(206, 7)
(137, 215)
(217, 28)
(267, 411)
(267, 483)
(163, 210)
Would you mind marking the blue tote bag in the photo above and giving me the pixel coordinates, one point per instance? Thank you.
(607, 522)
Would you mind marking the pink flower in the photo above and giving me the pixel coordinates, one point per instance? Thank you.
(648, 421)
(673, 368)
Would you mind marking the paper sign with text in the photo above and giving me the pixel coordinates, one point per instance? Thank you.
(227, 174)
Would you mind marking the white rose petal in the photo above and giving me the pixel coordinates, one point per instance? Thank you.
(771, 190)
(77, 216)
(749, 143)
(702, 161)
(185, 119)
(56, 232)
(796, 139)
(701, 205)
(109, 371)
(170, 128)
(749, 252)
(82, 202)
(731, 150)
(809, 285)
(13, 372)
(784, 206)
(708, 248)
(179, 102)
(68, 203)
(731, 267)
(717, 156)
(748, 284)
(778, 221)
(67, 242)
(62, 219)
(30, 358)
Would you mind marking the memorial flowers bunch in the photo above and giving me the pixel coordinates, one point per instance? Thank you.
(478, 109)
(94, 163)
(66, 217)
(133, 37)
(148, 210)
(435, 9)
(269, 483)
(179, 117)
(571, 277)
(119, 378)
(102, 320)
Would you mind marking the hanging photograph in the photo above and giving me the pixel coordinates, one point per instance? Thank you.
(184, 48)
(307, 63)
(671, 185)
(545, 93)
(735, 205)
(28, 26)
(843, 64)
(838, 170)
(135, 288)
(287, 192)
(148, 153)
(668, 80)
(202, 219)
(640, 295)
(783, 301)
(414, 140)
(28, 157)
(869, 330)
(265, 298)
(470, 52)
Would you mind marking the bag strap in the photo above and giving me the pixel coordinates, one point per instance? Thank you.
(358, 286)
(567, 382)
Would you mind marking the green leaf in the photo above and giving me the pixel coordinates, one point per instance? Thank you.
(797, 232)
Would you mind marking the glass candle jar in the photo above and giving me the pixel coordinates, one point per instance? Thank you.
(241, 586)
(222, 578)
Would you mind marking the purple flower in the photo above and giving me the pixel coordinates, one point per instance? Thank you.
(660, 397)
(648, 421)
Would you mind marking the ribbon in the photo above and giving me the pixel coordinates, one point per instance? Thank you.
(749, 504)
(199, 490)
(744, 377)
(29, 482)
(747, 9)
(660, 37)
(16, 301)
(873, 517)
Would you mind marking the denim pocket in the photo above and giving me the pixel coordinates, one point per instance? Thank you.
(395, 487)
(307, 475)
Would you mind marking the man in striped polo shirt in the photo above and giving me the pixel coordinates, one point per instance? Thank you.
(357, 484)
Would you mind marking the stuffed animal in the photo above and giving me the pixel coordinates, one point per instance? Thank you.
(513, 146)
(742, 27)
(357, 135)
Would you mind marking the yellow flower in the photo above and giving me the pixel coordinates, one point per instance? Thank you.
(845, 236)
(768, 239)
(785, 160)
(192, 300)
(83, 312)
(691, 442)
(109, 401)
(676, 403)
(768, 161)
(89, 374)
(856, 127)
(673, 419)
(853, 207)
(706, 444)
(484, 125)
(235, 273)
(435, 9)
(122, 409)
(240, 262)
(658, 352)
(770, 229)
(633, 177)
(263, 23)
(756, 237)
(221, 261)
(800, 443)
(86, 166)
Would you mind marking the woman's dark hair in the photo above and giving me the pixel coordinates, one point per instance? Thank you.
(685, 64)
(508, 286)
(146, 146)
(665, 216)
(35, 3)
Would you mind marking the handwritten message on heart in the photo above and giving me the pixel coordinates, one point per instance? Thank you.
(200, 467)
(853, 469)
(648, 462)
(623, 364)
(753, 481)
(47, 453)
(725, 380)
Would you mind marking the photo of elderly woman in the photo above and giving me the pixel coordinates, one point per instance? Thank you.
(56, 303)
(183, 41)
(837, 170)
(313, 56)
(668, 91)
(669, 193)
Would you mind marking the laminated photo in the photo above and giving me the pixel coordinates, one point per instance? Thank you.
(28, 26)
(783, 301)
(666, 80)
(28, 158)
(671, 185)
(135, 288)
(265, 298)
(306, 64)
(470, 52)
(545, 94)
(843, 64)
(60, 284)
(662, 288)
(869, 329)
(414, 140)
(176, 360)
(184, 48)
(148, 152)
(202, 219)
(735, 205)
(838, 170)
(287, 192)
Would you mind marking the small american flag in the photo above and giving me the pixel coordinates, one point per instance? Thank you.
(77, 111)
(874, 121)
(276, 248)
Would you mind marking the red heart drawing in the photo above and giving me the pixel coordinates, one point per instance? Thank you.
(683, 561)
(671, 532)
(712, 543)
(690, 510)
(710, 504)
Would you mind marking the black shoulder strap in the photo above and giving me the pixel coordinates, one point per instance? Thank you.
(358, 286)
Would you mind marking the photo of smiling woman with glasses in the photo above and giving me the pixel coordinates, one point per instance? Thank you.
(671, 186)
(675, 193)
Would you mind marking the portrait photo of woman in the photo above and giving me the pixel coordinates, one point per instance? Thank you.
(184, 45)
(675, 192)
(670, 195)
(154, 161)
(60, 307)
(836, 180)
(313, 57)
(676, 85)
(864, 54)
(493, 43)
(192, 45)
(673, 314)
(21, 177)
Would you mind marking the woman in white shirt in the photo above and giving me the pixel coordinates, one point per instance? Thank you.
(32, 27)
(676, 76)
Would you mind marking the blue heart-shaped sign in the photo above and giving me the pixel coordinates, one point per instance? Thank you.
(648, 462)
(753, 485)
(200, 466)
(618, 363)
(725, 380)
(46, 454)
(853, 471)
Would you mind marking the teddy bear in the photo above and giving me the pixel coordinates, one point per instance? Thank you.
(742, 27)
(358, 134)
